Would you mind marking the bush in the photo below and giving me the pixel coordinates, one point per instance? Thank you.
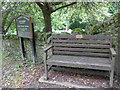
(79, 31)
(96, 29)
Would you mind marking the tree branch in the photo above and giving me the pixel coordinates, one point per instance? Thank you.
(39, 4)
(64, 6)
(56, 3)
(9, 25)
(5, 16)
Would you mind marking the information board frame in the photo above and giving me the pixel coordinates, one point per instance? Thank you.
(30, 27)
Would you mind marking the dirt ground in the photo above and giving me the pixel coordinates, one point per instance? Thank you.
(24, 75)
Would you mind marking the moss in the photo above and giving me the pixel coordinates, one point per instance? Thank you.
(11, 37)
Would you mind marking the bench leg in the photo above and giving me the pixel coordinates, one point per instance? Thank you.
(111, 78)
(46, 72)
(45, 66)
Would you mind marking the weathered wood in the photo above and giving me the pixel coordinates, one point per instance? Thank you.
(81, 62)
(24, 29)
(45, 65)
(83, 51)
(22, 48)
(80, 49)
(33, 45)
(82, 41)
(84, 36)
(112, 51)
(47, 48)
(112, 72)
(81, 45)
(80, 54)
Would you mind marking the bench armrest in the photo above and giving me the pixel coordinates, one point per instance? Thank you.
(47, 48)
(112, 51)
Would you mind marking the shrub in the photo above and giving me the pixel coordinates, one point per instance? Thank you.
(79, 31)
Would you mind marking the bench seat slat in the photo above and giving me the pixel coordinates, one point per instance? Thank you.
(81, 62)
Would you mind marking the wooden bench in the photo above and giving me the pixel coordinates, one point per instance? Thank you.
(81, 51)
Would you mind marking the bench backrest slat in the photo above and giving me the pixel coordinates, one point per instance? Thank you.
(84, 36)
(82, 45)
(81, 54)
(81, 41)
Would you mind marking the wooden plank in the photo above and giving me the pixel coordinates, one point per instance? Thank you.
(47, 48)
(81, 62)
(82, 59)
(81, 45)
(81, 54)
(80, 49)
(82, 41)
(45, 65)
(22, 48)
(112, 51)
(92, 60)
(112, 71)
(84, 36)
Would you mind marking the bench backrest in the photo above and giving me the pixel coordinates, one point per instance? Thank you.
(82, 45)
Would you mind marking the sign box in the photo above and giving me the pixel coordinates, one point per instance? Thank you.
(24, 26)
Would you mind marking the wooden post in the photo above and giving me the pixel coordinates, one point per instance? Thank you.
(112, 72)
(45, 66)
(22, 48)
(33, 46)
(33, 50)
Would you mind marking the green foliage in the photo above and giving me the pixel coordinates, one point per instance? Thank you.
(16, 57)
(96, 29)
(79, 31)
(12, 9)
(79, 16)
(19, 65)
(75, 16)
(109, 26)
(113, 7)
(78, 24)
(66, 33)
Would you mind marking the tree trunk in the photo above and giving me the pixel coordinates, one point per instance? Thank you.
(47, 21)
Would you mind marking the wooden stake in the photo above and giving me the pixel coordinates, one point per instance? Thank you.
(22, 48)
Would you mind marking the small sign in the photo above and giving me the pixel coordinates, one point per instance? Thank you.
(24, 26)
(79, 36)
